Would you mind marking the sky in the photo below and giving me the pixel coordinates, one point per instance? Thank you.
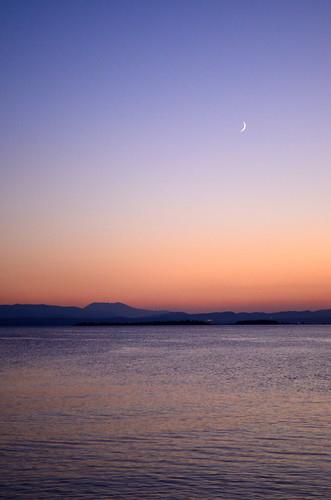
(123, 172)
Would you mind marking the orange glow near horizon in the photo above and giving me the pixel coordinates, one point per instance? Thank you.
(245, 271)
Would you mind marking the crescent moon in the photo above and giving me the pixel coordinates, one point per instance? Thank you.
(244, 127)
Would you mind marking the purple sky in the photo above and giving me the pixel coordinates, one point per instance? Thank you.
(124, 175)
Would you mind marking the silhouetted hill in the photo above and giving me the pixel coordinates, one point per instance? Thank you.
(102, 310)
(38, 314)
(116, 312)
(42, 314)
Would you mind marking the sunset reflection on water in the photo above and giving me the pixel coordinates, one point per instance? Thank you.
(193, 412)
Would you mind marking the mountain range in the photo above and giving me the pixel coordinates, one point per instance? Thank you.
(117, 312)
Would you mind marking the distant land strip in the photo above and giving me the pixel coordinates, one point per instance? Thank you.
(184, 322)
(117, 313)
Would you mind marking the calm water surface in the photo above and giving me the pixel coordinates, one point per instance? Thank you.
(165, 412)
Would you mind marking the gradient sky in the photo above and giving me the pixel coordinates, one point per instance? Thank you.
(124, 175)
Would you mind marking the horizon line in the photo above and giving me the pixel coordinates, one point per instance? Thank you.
(168, 310)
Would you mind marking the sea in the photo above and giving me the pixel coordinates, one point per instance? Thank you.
(165, 412)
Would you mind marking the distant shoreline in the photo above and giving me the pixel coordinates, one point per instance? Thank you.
(144, 323)
(117, 313)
